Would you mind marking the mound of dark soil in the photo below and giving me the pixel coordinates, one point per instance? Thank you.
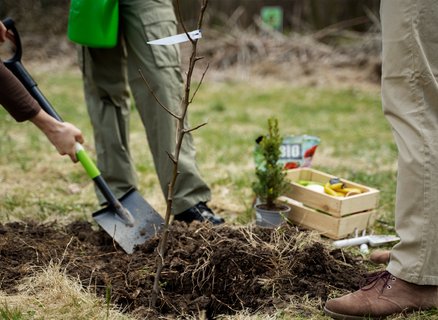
(217, 269)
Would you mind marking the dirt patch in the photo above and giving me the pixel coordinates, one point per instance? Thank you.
(221, 270)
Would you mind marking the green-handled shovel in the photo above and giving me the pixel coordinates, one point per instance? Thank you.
(129, 220)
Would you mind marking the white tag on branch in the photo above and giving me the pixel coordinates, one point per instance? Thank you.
(182, 37)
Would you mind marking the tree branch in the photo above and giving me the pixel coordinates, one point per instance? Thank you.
(156, 98)
(200, 82)
(194, 128)
(180, 132)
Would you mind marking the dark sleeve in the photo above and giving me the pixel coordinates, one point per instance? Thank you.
(15, 98)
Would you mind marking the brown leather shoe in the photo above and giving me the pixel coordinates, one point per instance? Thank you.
(380, 256)
(383, 296)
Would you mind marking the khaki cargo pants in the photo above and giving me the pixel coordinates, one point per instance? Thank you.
(410, 102)
(110, 75)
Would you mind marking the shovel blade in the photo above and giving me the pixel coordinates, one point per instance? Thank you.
(147, 222)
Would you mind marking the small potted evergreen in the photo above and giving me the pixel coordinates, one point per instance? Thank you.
(271, 178)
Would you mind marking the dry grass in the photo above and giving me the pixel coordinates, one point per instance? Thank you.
(51, 294)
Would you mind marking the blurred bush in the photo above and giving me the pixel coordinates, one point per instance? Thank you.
(299, 15)
(50, 16)
(37, 16)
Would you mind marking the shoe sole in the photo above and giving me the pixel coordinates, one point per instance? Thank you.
(339, 316)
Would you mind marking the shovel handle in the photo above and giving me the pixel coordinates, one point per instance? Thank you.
(16, 67)
(94, 173)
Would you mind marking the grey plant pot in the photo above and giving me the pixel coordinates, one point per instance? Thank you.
(270, 218)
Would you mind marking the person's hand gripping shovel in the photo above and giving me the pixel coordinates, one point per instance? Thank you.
(129, 220)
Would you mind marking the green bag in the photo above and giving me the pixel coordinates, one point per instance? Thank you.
(93, 23)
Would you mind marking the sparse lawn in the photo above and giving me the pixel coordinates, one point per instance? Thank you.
(356, 143)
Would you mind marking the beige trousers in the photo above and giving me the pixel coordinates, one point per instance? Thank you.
(111, 75)
(410, 103)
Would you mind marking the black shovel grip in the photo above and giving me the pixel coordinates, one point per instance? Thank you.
(16, 67)
(10, 25)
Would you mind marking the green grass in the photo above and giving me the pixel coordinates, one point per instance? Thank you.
(356, 144)
(6, 313)
(356, 141)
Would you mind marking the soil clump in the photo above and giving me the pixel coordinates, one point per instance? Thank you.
(221, 270)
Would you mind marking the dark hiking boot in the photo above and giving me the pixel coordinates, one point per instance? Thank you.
(382, 296)
(380, 256)
(200, 212)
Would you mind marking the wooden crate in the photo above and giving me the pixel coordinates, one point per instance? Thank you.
(335, 206)
(334, 217)
(329, 226)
